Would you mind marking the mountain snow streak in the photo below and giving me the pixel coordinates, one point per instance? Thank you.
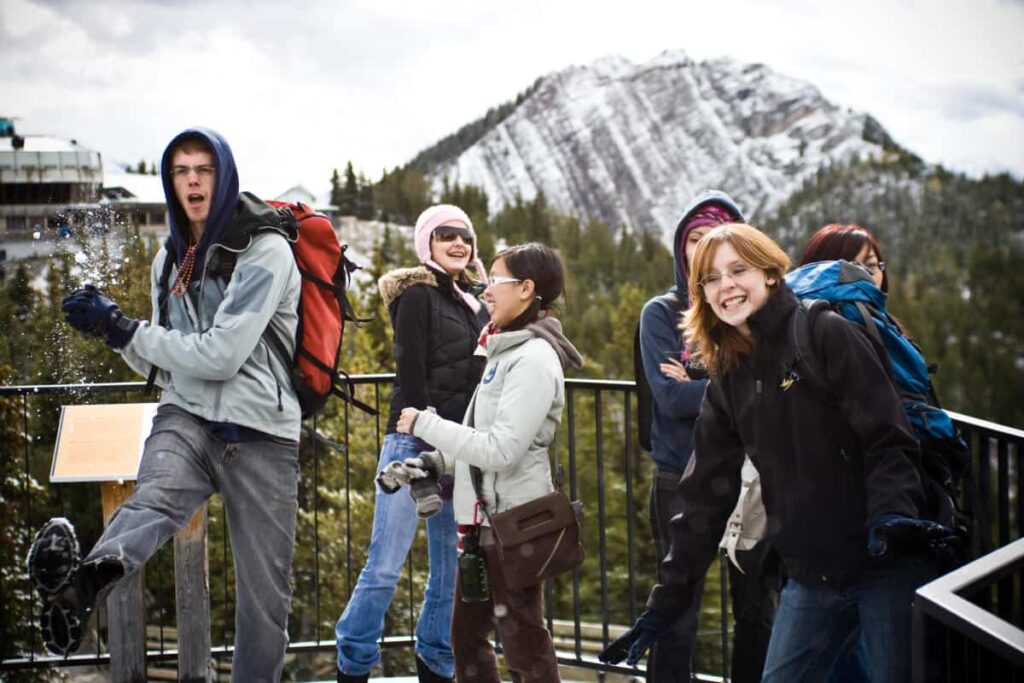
(631, 144)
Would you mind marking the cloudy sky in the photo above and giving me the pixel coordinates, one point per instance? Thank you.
(300, 88)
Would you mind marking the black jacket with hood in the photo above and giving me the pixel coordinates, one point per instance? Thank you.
(826, 470)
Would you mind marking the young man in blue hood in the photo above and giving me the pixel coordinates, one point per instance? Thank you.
(677, 390)
(228, 420)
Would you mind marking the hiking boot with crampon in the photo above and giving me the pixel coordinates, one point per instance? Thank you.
(55, 567)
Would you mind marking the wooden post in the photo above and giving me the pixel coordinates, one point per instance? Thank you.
(126, 620)
(192, 587)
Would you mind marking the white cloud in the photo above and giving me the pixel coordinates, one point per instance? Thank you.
(298, 90)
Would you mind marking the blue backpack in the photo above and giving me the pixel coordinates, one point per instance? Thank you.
(847, 289)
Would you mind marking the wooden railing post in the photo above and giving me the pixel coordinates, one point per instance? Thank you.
(126, 619)
(192, 588)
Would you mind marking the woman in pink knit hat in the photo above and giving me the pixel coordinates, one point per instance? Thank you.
(437, 319)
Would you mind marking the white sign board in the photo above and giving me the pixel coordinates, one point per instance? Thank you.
(101, 442)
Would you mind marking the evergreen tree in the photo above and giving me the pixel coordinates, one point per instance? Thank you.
(349, 196)
(365, 208)
(335, 189)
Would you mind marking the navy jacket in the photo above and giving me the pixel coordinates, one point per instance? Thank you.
(676, 404)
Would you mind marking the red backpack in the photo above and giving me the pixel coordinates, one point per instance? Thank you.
(323, 309)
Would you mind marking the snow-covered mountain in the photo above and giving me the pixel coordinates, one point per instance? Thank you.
(631, 144)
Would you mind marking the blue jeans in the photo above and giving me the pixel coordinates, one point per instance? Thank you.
(394, 525)
(815, 625)
(182, 465)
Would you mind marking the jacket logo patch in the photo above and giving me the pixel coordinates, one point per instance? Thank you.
(789, 379)
(489, 375)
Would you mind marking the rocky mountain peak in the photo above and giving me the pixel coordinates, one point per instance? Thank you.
(632, 143)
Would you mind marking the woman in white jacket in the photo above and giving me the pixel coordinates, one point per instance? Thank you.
(507, 432)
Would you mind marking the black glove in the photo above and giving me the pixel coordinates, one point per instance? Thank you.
(92, 313)
(632, 644)
(898, 535)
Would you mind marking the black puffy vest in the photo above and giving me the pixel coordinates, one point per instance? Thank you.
(452, 370)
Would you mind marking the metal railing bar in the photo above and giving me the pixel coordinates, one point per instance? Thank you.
(992, 427)
(630, 504)
(602, 536)
(941, 599)
(316, 526)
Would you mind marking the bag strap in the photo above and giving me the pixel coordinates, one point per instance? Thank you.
(802, 334)
(162, 316)
(476, 475)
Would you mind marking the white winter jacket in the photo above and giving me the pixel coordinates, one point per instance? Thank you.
(514, 414)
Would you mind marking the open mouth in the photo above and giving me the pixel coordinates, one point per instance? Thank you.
(195, 199)
(733, 302)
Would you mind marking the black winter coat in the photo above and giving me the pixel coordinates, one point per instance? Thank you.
(435, 336)
(826, 470)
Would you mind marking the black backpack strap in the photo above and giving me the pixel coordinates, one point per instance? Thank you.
(163, 291)
(644, 398)
(805, 359)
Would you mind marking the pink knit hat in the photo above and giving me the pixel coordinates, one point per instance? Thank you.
(446, 214)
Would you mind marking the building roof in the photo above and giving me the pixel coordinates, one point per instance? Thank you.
(119, 187)
(42, 143)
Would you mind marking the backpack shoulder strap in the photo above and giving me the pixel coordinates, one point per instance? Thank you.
(163, 290)
(805, 357)
(869, 324)
(644, 401)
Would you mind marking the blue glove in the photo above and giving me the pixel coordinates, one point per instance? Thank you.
(632, 644)
(899, 535)
(92, 313)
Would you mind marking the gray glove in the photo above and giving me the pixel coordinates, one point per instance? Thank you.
(424, 473)
(393, 477)
(426, 464)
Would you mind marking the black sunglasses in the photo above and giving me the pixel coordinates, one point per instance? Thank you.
(448, 233)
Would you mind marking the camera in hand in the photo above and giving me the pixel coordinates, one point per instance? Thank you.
(474, 585)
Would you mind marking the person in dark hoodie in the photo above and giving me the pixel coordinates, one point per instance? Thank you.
(677, 388)
(228, 420)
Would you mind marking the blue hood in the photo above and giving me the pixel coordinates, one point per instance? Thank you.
(222, 206)
(706, 197)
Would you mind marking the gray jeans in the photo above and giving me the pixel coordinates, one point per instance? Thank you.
(182, 466)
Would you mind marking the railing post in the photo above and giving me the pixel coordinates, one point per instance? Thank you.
(126, 620)
(192, 590)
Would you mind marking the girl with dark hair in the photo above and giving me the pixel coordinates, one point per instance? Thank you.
(506, 434)
(850, 243)
(837, 478)
(857, 245)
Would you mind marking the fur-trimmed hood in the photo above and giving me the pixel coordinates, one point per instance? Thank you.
(393, 284)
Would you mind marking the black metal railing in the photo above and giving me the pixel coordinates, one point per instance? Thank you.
(969, 623)
(604, 468)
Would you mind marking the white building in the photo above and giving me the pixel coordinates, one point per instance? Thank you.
(39, 177)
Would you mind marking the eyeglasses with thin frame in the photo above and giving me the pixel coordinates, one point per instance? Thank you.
(712, 281)
(203, 170)
(872, 268)
(448, 233)
(504, 280)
